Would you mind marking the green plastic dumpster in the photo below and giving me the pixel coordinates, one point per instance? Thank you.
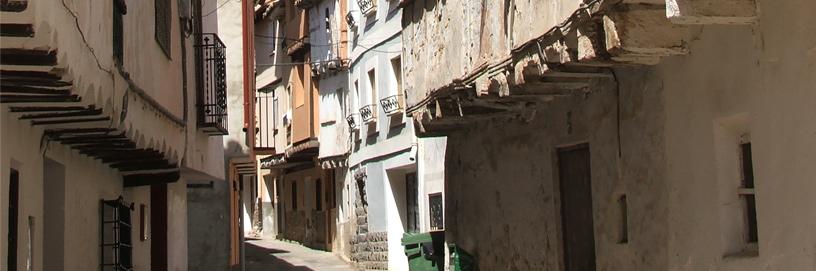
(425, 250)
(460, 260)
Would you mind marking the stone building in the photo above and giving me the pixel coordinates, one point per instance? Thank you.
(109, 111)
(620, 135)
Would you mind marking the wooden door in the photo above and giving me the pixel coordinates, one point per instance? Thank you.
(14, 201)
(576, 208)
(158, 227)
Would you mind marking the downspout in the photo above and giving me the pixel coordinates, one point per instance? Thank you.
(247, 22)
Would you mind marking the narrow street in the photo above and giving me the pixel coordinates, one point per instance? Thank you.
(268, 255)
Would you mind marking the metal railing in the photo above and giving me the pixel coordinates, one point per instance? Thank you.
(391, 104)
(212, 85)
(367, 6)
(368, 113)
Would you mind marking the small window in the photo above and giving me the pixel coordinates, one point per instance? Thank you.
(341, 99)
(624, 220)
(436, 211)
(275, 114)
(294, 196)
(116, 243)
(747, 194)
(372, 86)
(162, 25)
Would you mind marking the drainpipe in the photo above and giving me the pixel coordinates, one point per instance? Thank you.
(247, 21)
(247, 24)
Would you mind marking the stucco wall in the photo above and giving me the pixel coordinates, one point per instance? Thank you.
(767, 81)
(87, 182)
(502, 196)
(462, 35)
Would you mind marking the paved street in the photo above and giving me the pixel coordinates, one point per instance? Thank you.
(273, 255)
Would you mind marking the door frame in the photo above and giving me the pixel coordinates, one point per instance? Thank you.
(558, 206)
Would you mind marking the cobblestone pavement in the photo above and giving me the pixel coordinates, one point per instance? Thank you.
(274, 255)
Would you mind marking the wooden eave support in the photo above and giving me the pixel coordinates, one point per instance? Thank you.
(28, 57)
(85, 112)
(31, 78)
(29, 109)
(33, 90)
(16, 30)
(11, 98)
(79, 132)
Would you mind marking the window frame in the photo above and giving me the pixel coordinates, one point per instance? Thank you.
(747, 194)
(163, 25)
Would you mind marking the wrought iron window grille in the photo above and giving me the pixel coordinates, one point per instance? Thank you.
(392, 104)
(116, 248)
(367, 6)
(212, 85)
(368, 113)
(353, 121)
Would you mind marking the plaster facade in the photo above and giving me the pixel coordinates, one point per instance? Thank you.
(664, 138)
(148, 97)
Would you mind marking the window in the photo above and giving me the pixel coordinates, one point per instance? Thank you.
(341, 99)
(372, 86)
(624, 217)
(294, 196)
(396, 67)
(356, 94)
(116, 235)
(436, 212)
(119, 9)
(412, 202)
(748, 194)
(275, 115)
(300, 91)
(162, 25)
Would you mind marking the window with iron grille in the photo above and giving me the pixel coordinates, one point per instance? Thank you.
(162, 29)
(116, 247)
(435, 206)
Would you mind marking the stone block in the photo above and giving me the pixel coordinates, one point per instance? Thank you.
(728, 12)
(642, 34)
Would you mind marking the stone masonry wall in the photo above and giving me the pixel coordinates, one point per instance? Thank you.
(370, 250)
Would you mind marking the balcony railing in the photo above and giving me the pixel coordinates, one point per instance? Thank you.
(367, 6)
(368, 113)
(212, 85)
(353, 121)
(392, 104)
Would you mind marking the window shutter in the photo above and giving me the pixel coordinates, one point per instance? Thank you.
(163, 25)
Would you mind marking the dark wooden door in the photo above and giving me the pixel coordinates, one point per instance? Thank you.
(158, 227)
(11, 249)
(576, 208)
